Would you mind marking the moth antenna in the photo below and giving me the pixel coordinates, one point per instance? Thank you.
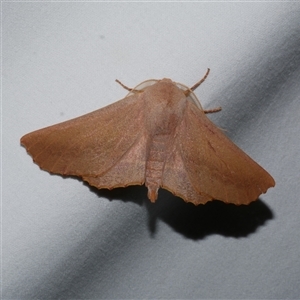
(127, 88)
(200, 81)
(124, 86)
(213, 110)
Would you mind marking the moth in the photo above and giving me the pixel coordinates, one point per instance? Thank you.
(158, 135)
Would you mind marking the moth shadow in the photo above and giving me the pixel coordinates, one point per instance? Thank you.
(215, 217)
(194, 222)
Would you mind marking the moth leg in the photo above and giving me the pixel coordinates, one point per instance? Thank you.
(213, 110)
(126, 87)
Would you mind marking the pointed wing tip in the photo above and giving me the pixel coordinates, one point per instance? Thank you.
(266, 184)
(273, 183)
(22, 141)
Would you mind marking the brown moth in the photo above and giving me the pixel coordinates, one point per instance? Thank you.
(158, 135)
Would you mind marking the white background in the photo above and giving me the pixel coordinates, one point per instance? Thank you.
(61, 239)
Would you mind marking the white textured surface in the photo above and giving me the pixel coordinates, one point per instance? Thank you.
(62, 240)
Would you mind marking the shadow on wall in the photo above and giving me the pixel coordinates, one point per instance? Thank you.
(194, 222)
(215, 217)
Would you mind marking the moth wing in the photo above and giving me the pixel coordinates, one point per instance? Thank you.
(204, 165)
(106, 147)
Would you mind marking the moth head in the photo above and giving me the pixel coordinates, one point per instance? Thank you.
(190, 95)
